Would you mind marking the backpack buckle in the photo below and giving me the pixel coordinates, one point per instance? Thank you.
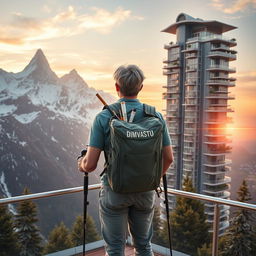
(158, 191)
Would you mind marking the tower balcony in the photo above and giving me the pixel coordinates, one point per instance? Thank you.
(222, 105)
(190, 49)
(174, 64)
(190, 120)
(189, 139)
(174, 116)
(223, 47)
(172, 84)
(214, 38)
(170, 111)
(219, 121)
(218, 109)
(190, 82)
(188, 166)
(213, 133)
(174, 131)
(223, 194)
(220, 141)
(212, 90)
(191, 94)
(170, 72)
(188, 160)
(172, 90)
(171, 59)
(171, 122)
(224, 215)
(221, 68)
(218, 163)
(210, 206)
(191, 55)
(218, 171)
(209, 210)
(216, 182)
(222, 82)
(214, 191)
(191, 68)
(220, 95)
(224, 55)
(170, 45)
(222, 148)
(170, 96)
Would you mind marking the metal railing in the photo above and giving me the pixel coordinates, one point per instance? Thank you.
(217, 203)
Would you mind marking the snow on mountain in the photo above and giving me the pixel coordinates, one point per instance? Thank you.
(44, 124)
(26, 118)
(38, 69)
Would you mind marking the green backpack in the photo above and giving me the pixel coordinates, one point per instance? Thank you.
(134, 159)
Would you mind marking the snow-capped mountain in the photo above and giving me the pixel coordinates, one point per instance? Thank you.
(44, 124)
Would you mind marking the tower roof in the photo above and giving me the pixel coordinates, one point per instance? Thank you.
(212, 25)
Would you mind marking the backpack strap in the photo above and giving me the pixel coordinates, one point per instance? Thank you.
(149, 110)
(115, 106)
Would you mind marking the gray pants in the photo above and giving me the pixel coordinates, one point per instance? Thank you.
(118, 210)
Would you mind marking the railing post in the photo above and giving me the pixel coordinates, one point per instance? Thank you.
(215, 230)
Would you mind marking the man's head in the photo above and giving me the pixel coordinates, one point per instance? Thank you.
(129, 80)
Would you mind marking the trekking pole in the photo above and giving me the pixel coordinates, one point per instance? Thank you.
(86, 181)
(107, 106)
(167, 211)
(85, 207)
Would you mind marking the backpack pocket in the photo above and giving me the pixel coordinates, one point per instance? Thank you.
(139, 172)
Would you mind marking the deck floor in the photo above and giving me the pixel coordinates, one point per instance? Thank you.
(129, 251)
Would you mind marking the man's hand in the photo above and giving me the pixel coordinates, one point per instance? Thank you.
(79, 160)
(88, 163)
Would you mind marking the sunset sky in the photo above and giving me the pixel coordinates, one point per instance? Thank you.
(96, 36)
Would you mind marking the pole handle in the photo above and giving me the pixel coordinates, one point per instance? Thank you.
(101, 99)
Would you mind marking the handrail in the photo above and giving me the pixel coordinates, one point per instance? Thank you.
(212, 199)
(217, 201)
(15, 199)
(176, 192)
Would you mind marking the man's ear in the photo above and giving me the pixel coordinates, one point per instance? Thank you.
(117, 87)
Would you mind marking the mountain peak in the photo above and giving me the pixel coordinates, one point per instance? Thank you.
(39, 61)
(73, 78)
(73, 72)
(39, 56)
(39, 69)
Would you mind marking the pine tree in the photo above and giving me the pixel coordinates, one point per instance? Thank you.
(27, 231)
(91, 234)
(238, 240)
(157, 223)
(58, 239)
(188, 223)
(8, 237)
(204, 251)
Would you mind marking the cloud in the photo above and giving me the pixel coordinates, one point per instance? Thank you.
(103, 21)
(11, 40)
(235, 6)
(64, 24)
(249, 76)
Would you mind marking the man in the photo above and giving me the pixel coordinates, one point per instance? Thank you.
(119, 210)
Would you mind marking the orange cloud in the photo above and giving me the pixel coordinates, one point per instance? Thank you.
(235, 6)
(63, 24)
(12, 40)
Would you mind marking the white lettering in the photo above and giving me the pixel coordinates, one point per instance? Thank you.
(139, 134)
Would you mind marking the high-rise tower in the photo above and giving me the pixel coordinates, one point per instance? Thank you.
(197, 94)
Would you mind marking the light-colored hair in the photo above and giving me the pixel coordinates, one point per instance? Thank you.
(130, 79)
